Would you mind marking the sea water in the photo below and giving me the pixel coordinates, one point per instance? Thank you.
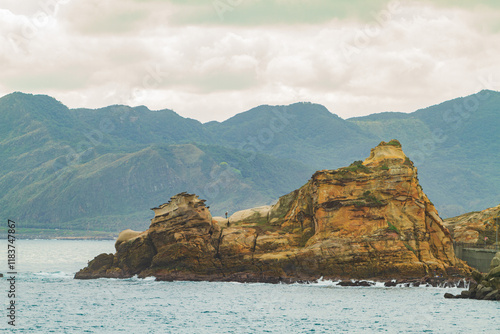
(49, 300)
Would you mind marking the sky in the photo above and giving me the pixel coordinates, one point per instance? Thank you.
(212, 59)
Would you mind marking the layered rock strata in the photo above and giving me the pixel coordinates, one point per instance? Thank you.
(475, 227)
(370, 220)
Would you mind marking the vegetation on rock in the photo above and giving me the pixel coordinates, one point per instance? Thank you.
(475, 227)
(314, 231)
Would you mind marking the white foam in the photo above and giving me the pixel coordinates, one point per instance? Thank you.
(54, 274)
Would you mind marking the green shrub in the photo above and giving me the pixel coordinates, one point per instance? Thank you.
(371, 199)
(392, 227)
(368, 199)
(410, 248)
(394, 142)
(358, 166)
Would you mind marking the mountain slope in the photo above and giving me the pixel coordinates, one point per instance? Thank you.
(140, 125)
(110, 187)
(455, 145)
(302, 131)
(98, 169)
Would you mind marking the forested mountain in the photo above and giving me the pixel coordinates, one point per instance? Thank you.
(302, 131)
(102, 169)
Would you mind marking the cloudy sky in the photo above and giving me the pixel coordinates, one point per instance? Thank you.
(211, 59)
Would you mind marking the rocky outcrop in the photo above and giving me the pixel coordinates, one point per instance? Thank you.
(370, 220)
(474, 227)
(486, 286)
(126, 235)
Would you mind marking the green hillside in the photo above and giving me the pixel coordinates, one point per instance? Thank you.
(102, 169)
(455, 146)
(305, 132)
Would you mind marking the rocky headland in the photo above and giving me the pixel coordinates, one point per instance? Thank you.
(474, 227)
(486, 286)
(370, 220)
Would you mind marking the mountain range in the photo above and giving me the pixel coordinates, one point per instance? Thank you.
(97, 169)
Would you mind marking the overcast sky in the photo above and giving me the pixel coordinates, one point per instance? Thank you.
(211, 59)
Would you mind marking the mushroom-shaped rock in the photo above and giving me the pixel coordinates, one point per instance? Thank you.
(126, 235)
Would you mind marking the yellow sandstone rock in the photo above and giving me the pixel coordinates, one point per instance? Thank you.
(368, 220)
(473, 227)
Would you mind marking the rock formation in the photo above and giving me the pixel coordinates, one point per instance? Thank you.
(486, 287)
(370, 220)
(473, 227)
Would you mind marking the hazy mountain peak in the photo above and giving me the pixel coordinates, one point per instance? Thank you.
(30, 98)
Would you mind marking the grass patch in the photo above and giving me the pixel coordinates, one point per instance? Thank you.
(394, 142)
(357, 166)
(395, 229)
(262, 226)
(392, 227)
(410, 248)
(371, 199)
(368, 199)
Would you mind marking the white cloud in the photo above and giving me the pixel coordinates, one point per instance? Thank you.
(92, 54)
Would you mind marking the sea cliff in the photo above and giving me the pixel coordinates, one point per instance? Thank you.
(370, 220)
(475, 227)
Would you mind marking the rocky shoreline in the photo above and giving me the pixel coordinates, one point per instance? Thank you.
(436, 282)
(368, 221)
(486, 286)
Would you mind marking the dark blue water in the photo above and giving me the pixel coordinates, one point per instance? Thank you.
(51, 301)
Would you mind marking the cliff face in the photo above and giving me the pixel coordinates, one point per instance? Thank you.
(473, 227)
(368, 220)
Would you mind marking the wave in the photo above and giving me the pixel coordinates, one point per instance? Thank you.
(462, 284)
(134, 278)
(53, 274)
(321, 282)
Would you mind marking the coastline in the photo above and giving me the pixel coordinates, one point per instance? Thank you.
(436, 282)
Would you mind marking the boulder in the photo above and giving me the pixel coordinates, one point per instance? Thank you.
(493, 295)
(482, 291)
(495, 262)
(100, 266)
(355, 283)
(488, 285)
(495, 272)
(465, 294)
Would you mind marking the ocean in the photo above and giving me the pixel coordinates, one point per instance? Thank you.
(48, 300)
